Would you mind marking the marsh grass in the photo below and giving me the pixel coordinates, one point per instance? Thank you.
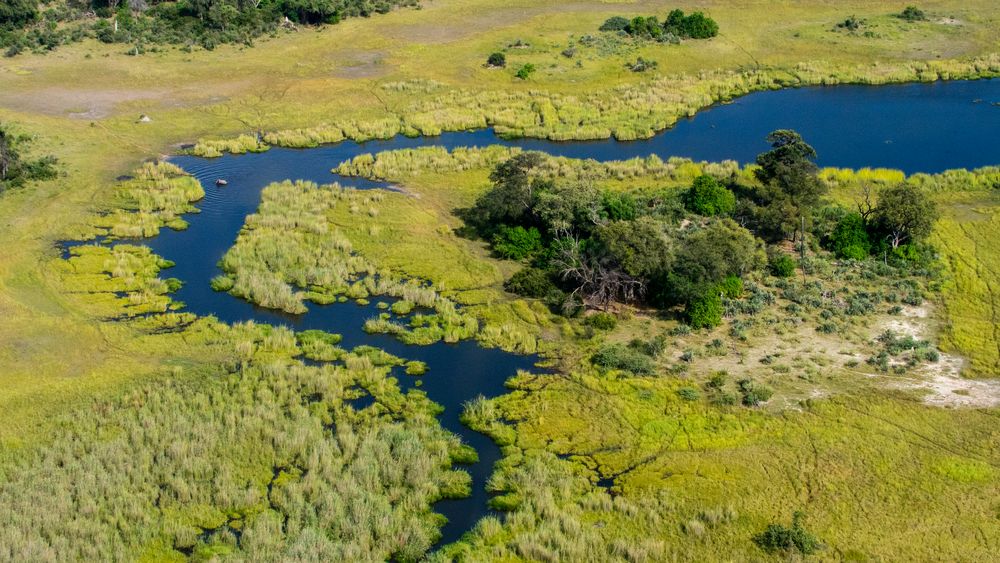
(271, 451)
(156, 196)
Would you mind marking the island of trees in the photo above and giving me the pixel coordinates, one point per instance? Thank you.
(584, 248)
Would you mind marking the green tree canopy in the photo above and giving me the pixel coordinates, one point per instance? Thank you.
(708, 197)
(905, 213)
(790, 185)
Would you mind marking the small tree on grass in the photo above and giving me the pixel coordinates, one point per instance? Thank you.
(780, 538)
(906, 213)
(525, 71)
(15, 169)
(497, 60)
(913, 14)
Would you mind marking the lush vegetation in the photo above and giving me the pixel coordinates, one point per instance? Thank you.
(25, 25)
(599, 463)
(672, 29)
(16, 168)
(589, 248)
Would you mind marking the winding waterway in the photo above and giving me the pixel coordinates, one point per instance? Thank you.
(913, 127)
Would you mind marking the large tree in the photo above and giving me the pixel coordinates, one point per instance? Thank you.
(790, 186)
(906, 213)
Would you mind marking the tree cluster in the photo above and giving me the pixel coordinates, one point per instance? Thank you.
(187, 22)
(16, 169)
(685, 249)
(588, 248)
(676, 26)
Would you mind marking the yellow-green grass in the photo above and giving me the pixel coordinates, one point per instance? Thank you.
(967, 235)
(858, 467)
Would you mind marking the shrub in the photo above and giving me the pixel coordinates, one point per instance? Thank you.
(782, 265)
(850, 238)
(731, 287)
(705, 310)
(753, 393)
(688, 393)
(601, 321)
(694, 26)
(525, 71)
(497, 60)
(616, 356)
(652, 347)
(614, 23)
(779, 538)
(641, 65)
(708, 197)
(913, 14)
(531, 282)
(517, 243)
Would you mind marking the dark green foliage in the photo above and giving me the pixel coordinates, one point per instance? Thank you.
(853, 23)
(790, 186)
(710, 254)
(850, 238)
(688, 393)
(694, 26)
(204, 22)
(782, 265)
(752, 393)
(779, 538)
(905, 213)
(640, 247)
(705, 310)
(16, 13)
(708, 197)
(616, 356)
(641, 65)
(517, 243)
(531, 282)
(615, 23)
(652, 347)
(497, 60)
(15, 168)
(525, 71)
(913, 14)
(644, 27)
(512, 197)
(601, 321)
(676, 25)
(731, 287)
(619, 206)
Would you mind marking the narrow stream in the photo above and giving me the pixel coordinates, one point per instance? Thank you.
(913, 127)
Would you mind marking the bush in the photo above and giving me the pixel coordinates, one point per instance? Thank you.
(531, 282)
(708, 197)
(731, 287)
(782, 265)
(517, 243)
(615, 23)
(616, 356)
(913, 14)
(850, 238)
(753, 393)
(601, 321)
(525, 71)
(641, 65)
(705, 311)
(497, 60)
(779, 538)
(688, 394)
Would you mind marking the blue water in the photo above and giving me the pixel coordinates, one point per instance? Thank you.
(914, 127)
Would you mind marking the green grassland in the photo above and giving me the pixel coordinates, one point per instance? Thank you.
(90, 381)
